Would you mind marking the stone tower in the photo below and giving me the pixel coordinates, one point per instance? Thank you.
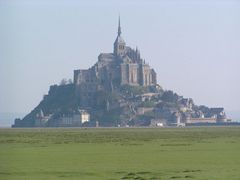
(119, 44)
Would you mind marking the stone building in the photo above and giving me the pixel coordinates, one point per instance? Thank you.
(122, 67)
(41, 119)
(201, 120)
(219, 114)
(73, 120)
(84, 116)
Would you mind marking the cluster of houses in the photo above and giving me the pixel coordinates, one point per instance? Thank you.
(76, 119)
(180, 118)
(183, 113)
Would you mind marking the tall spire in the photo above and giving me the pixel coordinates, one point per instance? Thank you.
(119, 26)
(119, 44)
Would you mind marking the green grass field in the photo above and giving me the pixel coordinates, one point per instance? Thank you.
(168, 153)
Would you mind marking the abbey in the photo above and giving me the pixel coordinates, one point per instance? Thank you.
(122, 67)
(120, 89)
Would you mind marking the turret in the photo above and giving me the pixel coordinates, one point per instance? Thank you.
(137, 54)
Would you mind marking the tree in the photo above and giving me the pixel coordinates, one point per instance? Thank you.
(64, 82)
(70, 81)
(170, 96)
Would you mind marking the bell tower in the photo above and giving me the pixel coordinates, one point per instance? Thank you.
(119, 44)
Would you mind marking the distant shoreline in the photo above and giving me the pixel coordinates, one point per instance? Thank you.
(235, 124)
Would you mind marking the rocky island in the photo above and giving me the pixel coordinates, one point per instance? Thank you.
(120, 90)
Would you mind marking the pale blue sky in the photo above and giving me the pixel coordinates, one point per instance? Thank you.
(194, 46)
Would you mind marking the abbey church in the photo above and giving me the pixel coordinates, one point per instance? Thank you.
(122, 67)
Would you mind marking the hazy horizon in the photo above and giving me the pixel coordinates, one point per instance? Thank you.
(192, 45)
